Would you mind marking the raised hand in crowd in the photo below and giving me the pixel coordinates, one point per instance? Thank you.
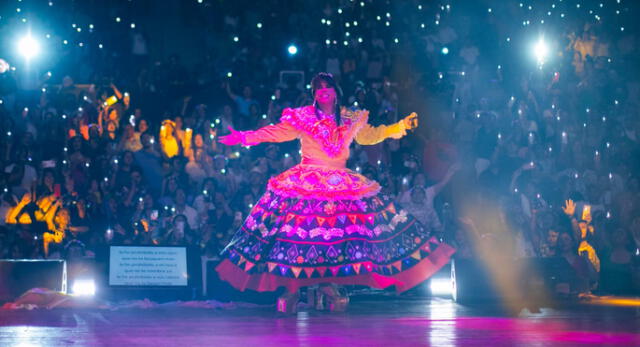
(569, 208)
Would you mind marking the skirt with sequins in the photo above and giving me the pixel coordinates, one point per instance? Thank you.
(295, 241)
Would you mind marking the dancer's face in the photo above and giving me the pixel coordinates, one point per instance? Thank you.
(325, 95)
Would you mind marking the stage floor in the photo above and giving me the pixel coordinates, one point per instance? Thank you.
(368, 322)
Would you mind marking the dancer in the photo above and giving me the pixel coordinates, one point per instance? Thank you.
(320, 223)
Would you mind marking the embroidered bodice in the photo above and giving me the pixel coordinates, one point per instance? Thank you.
(322, 141)
(325, 149)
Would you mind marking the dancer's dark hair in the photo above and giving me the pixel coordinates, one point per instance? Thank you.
(327, 78)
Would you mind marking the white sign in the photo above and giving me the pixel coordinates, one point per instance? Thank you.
(147, 266)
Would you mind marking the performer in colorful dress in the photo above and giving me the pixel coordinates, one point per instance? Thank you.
(320, 223)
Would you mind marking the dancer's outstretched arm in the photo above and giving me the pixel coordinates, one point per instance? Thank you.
(281, 132)
(370, 135)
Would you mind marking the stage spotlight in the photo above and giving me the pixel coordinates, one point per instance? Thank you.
(441, 286)
(28, 47)
(445, 50)
(292, 49)
(541, 51)
(84, 287)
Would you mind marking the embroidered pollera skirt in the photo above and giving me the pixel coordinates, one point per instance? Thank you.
(323, 225)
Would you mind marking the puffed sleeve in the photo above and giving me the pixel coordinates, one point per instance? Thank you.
(281, 132)
(370, 135)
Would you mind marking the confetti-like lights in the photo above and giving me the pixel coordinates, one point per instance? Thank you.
(292, 49)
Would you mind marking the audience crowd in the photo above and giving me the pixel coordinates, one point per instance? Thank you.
(534, 158)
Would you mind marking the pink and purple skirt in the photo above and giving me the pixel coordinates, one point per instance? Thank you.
(324, 225)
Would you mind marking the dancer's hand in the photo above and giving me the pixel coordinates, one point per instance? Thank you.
(235, 138)
(362, 113)
(411, 121)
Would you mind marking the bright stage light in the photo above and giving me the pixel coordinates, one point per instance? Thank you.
(292, 49)
(541, 51)
(84, 287)
(441, 286)
(28, 47)
(445, 50)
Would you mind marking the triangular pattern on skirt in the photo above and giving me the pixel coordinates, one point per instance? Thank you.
(335, 270)
(309, 271)
(321, 270)
(248, 265)
(289, 217)
(391, 208)
(397, 265)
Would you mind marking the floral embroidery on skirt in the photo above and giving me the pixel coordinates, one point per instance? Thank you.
(306, 239)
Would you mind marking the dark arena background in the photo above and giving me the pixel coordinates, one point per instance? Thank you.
(118, 197)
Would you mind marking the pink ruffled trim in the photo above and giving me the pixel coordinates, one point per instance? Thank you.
(327, 133)
(322, 183)
(405, 280)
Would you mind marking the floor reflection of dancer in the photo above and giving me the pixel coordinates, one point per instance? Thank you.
(320, 223)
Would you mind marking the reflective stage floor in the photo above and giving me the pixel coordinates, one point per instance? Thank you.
(368, 322)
